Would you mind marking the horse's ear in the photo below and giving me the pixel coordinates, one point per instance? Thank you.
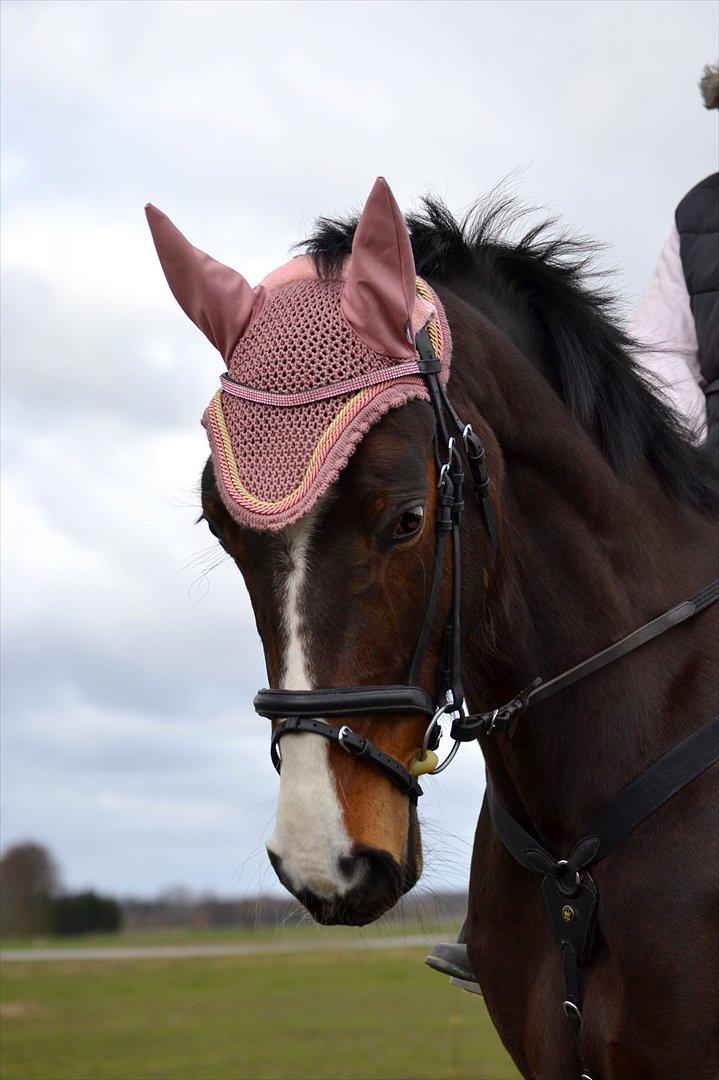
(215, 297)
(380, 287)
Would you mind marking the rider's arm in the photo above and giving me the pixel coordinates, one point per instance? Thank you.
(663, 323)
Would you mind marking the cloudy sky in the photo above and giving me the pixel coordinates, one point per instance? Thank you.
(130, 656)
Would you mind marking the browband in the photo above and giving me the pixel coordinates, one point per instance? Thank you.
(319, 393)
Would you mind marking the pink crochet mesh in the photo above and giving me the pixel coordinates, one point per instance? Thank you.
(300, 339)
(273, 462)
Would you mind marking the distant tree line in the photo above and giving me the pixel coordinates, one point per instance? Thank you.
(85, 912)
(32, 902)
(180, 909)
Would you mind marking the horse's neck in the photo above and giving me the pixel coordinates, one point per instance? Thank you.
(586, 559)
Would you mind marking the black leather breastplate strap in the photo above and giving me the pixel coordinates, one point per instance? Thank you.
(505, 718)
(570, 893)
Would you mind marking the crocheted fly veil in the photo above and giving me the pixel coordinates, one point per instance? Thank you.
(312, 364)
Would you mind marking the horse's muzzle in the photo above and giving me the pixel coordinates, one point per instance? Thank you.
(376, 883)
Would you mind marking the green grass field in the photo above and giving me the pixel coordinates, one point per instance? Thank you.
(322, 1016)
(306, 930)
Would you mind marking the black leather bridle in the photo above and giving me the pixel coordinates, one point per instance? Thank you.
(298, 710)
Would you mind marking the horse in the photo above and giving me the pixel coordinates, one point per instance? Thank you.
(605, 514)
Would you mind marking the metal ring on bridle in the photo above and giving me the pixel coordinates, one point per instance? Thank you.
(448, 760)
(577, 875)
(570, 1009)
(449, 707)
(434, 722)
(451, 445)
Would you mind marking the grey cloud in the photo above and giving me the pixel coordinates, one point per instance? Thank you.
(129, 744)
(117, 368)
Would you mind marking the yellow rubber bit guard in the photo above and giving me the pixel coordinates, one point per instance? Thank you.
(425, 762)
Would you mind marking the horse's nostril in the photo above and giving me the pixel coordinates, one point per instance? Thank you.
(353, 869)
(380, 868)
(376, 878)
(273, 857)
(327, 880)
(276, 862)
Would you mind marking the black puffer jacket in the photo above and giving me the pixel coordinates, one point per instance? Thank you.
(697, 219)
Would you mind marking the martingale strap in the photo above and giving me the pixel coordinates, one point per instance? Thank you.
(570, 893)
(620, 815)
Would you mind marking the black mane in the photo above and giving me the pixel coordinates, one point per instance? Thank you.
(541, 290)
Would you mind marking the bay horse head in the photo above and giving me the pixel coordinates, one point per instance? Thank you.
(341, 457)
(323, 487)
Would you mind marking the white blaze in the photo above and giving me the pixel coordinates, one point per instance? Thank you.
(310, 835)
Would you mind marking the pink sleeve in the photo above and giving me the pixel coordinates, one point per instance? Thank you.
(664, 324)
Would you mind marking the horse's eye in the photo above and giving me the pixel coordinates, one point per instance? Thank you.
(408, 523)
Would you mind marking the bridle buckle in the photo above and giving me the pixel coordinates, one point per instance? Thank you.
(351, 742)
(574, 1016)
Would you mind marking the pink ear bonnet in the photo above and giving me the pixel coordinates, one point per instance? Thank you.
(311, 364)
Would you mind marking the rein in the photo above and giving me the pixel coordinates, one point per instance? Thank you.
(505, 718)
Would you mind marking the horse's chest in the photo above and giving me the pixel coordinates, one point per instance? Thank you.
(650, 906)
(519, 968)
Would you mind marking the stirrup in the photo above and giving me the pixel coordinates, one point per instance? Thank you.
(470, 988)
(451, 959)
